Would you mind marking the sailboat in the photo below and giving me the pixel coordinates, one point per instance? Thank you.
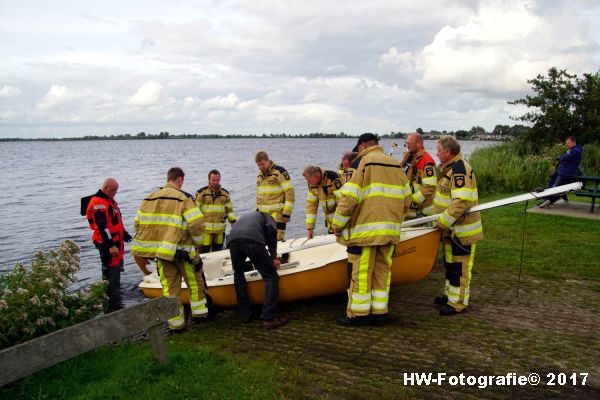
(318, 266)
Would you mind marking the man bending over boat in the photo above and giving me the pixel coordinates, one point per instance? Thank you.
(419, 167)
(367, 220)
(169, 228)
(274, 192)
(456, 193)
(249, 238)
(323, 186)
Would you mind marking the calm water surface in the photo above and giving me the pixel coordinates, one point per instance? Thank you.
(42, 183)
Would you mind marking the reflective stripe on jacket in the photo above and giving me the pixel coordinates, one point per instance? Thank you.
(105, 220)
(216, 207)
(456, 193)
(420, 171)
(372, 204)
(275, 191)
(167, 221)
(326, 193)
(345, 174)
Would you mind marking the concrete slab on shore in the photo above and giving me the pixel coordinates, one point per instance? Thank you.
(570, 209)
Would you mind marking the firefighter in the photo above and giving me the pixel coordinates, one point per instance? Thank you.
(169, 228)
(345, 170)
(456, 193)
(367, 220)
(419, 167)
(215, 203)
(109, 235)
(274, 192)
(323, 186)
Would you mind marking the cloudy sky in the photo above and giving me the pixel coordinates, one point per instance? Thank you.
(74, 68)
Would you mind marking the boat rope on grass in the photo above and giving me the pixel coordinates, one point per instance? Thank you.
(534, 194)
(522, 246)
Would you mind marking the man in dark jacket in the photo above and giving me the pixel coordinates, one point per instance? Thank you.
(249, 238)
(566, 171)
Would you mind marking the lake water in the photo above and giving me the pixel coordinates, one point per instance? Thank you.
(42, 183)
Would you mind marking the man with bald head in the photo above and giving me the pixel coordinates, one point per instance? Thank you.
(109, 235)
(419, 167)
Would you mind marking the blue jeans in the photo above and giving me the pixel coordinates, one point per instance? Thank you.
(240, 249)
(559, 180)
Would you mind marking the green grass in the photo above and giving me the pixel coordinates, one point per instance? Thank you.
(550, 327)
(555, 246)
(129, 371)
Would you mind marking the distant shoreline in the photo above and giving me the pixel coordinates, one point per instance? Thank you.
(426, 136)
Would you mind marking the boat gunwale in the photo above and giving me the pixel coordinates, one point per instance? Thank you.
(253, 275)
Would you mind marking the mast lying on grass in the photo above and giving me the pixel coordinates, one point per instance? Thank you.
(559, 190)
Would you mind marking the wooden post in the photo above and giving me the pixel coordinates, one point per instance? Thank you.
(27, 358)
(159, 344)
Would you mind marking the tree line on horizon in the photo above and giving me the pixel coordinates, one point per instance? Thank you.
(499, 132)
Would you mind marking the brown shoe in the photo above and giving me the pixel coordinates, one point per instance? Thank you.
(275, 322)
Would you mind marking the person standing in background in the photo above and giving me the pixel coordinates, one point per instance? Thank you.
(274, 192)
(419, 168)
(215, 203)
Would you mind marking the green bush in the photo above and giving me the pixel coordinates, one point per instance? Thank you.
(36, 301)
(591, 159)
(517, 167)
(509, 167)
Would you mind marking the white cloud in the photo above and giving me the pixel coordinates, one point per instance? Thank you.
(58, 94)
(190, 101)
(273, 66)
(8, 91)
(222, 102)
(406, 60)
(500, 47)
(149, 94)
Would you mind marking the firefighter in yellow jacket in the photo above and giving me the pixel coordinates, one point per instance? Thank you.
(323, 186)
(367, 220)
(215, 203)
(345, 170)
(274, 192)
(456, 193)
(169, 228)
(419, 167)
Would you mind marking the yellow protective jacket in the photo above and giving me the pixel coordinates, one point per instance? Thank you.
(345, 174)
(216, 207)
(167, 221)
(326, 193)
(275, 191)
(372, 204)
(421, 173)
(456, 193)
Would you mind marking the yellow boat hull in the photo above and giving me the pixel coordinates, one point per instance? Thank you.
(412, 261)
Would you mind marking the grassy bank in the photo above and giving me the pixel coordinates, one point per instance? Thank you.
(513, 167)
(551, 327)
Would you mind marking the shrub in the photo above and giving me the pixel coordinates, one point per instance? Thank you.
(509, 167)
(591, 159)
(517, 167)
(36, 301)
